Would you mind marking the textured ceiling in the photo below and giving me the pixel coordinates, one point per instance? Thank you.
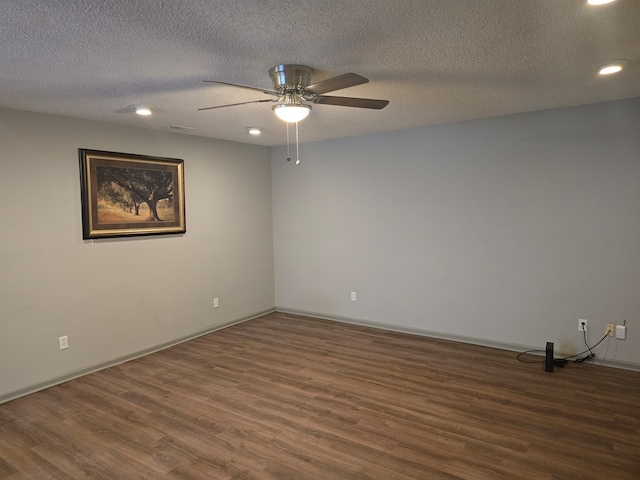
(436, 61)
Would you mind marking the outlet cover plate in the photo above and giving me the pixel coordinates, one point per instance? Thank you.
(609, 329)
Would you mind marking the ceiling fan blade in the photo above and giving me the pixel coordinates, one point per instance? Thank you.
(351, 102)
(235, 104)
(256, 89)
(336, 83)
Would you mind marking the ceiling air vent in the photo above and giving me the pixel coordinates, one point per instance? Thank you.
(178, 127)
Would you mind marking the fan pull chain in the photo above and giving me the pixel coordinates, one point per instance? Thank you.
(297, 146)
(288, 155)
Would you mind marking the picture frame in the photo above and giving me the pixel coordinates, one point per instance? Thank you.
(125, 194)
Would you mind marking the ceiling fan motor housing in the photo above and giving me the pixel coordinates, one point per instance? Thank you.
(292, 85)
(290, 78)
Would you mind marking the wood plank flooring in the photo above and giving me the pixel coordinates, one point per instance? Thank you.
(288, 397)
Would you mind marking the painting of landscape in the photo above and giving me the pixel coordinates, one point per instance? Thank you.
(127, 194)
(134, 195)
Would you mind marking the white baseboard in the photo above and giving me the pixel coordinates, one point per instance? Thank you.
(354, 321)
(116, 361)
(447, 336)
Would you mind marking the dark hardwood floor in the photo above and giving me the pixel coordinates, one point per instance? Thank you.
(289, 397)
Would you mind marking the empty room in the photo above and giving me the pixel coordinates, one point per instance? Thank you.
(320, 240)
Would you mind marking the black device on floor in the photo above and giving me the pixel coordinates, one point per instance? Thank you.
(548, 358)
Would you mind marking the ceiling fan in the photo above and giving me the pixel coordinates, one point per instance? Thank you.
(293, 93)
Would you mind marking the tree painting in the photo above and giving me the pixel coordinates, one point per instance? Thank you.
(129, 189)
(124, 194)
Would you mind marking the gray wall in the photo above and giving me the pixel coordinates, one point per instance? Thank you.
(501, 231)
(117, 297)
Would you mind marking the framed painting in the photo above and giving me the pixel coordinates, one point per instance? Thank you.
(127, 195)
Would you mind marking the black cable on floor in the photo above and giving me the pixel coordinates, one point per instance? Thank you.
(584, 336)
(589, 349)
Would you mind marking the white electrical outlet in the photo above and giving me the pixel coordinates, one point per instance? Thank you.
(215, 302)
(621, 332)
(582, 325)
(64, 342)
(353, 296)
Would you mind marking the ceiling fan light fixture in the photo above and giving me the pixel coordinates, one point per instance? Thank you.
(292, 113)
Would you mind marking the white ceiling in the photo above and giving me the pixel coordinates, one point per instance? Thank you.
(436, 61)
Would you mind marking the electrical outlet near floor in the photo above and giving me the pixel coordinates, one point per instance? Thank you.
(582, 325)
(64, 342)
(609, 329)
(353, 296)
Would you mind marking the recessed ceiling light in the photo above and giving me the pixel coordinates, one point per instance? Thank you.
(253, 131)
(599, 2)
(143, 110)
(610, 68)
